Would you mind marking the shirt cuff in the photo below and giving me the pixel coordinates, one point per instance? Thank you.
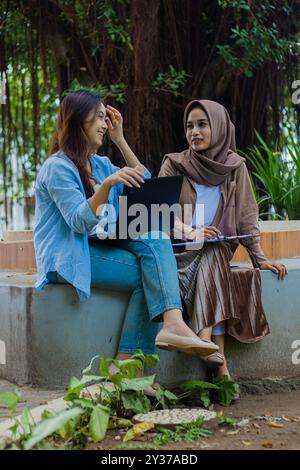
(147, 173)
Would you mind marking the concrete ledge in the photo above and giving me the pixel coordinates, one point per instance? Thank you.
(47, 336)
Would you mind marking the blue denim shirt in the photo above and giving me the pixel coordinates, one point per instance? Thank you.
(64, 218)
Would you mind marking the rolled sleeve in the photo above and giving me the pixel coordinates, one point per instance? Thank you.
(86, 214)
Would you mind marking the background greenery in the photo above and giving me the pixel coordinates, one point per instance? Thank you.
(149, 58)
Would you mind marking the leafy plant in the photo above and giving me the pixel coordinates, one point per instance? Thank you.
(114, 27)
(222, 389)
(51, 425)
(10, 399)
(227, 389)
(292, 196)
(259, 41)
(278, 171)
(202, 388)
(89, 416)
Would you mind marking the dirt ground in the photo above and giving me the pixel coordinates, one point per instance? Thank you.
(268, 416)
(265, 422)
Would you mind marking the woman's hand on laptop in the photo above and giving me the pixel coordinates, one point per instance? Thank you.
(128, 176)
(204, 233)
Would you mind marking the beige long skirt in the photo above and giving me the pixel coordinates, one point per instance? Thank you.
(213, 292)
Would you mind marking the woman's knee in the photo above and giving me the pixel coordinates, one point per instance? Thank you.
(157, 239)
(115, 267)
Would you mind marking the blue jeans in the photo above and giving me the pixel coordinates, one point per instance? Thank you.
(146, 268)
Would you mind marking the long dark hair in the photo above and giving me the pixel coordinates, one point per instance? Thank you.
(70, 136)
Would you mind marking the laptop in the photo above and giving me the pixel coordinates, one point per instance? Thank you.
(152, 194)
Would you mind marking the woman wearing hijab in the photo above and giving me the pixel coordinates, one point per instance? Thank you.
(216, 298)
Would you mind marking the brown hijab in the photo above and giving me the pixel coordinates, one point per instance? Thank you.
(212, 167)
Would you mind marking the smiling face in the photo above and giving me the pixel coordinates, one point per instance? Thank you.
(198, 130)
(95, 127)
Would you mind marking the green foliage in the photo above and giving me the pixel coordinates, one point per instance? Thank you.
(252, 47)
(138, 403)
(203, 388)
(114, 27)
(171, 81)
(292, 196)
(136, 446)
(258, 39)
(91, 43)
(184, 432)
(120, 395)
(165, 398)
(225, 420)
(114, 90)
(227, 389)
(99, 422)
(10, 399)
(222, 389)
(50, 425)
(238, 4)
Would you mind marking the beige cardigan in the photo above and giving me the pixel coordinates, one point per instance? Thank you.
(237, 213)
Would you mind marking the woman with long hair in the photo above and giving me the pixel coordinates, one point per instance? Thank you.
(72, 187)
(218, 299)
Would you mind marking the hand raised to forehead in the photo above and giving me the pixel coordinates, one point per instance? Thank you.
(114, 122)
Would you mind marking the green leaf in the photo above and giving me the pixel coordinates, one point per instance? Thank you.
(84, 403)
(88, 369)
(197, 384)
(26, 420)
(14, 428)
(49, 426)
(130, 366)
(228, 389)
(76, 385)
(98, 423)
(205, 398)
(152, 360)
(137, 402)
(47, 414)
(137, 384)
(104, 366)
(170, 396)
(226, 420)
(68, 429)
(119, 423)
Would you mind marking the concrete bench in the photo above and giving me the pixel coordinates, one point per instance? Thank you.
(47, 336)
